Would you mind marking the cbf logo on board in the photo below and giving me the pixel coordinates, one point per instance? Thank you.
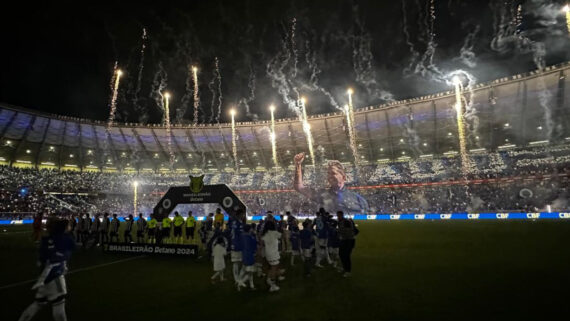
(196, 183)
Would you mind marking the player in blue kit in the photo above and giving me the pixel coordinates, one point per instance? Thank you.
(248, 255)
(294, 239)
(236, 223)
(321, 227)
(55, 251)
(333, 243)
(307, 238)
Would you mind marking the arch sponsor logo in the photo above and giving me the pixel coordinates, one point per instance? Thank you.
(445, 216)
(419, 216)
(166, 203)
(473, 216)
(532, 215)
(196, 183)
(502, 216)
(394, 217)
(564, 215)
(370, 217)
(227, 202)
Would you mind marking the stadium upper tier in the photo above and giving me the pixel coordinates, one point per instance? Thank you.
(516, 111)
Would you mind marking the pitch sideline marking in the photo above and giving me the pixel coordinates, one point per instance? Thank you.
(16, 232)
(71, 272)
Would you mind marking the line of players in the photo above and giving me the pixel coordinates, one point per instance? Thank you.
(102, 229)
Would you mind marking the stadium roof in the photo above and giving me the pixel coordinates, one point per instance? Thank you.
(515, 111)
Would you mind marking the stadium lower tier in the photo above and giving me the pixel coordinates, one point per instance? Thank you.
(509, 163)
(529, 195)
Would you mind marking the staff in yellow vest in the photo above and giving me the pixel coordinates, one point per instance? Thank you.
(219, 218)
(152, 223)
(190, 226)
(166, 226)
(178, 222)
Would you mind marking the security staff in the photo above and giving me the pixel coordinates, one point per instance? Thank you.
(219, 219)
(178, 222)
(152, 224)
(166, 226)
(190, 226)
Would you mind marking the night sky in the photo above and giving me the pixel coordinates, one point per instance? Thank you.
(59, 58)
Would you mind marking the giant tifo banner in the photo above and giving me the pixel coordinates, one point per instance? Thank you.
(188, 250)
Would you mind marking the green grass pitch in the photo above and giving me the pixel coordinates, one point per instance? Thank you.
(403, 270)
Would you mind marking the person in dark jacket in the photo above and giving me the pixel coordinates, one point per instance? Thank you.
(346, 233)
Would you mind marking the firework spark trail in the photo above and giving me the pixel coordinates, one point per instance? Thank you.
(566, 10)
(504, 28)
(140, 73)
(185, 101)
(350, 124)
(468, 98)
(294, 47)
(362, 61)
(544, 95)
(275, 71)
(307, 128)
(410, 44)
(460, 126)
(168, 127)
(158, 86)
(427, 63)
(212, 89)
(113, 105)
(196, 94)
(412, 134)
(234, 140)
(423, 64)
(246, 101)
(313, 85)
(518, 18)
(220, 97)
(466, 53)
(507, 38)
(273, 137)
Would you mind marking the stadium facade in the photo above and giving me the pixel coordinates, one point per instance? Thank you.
(519, 111)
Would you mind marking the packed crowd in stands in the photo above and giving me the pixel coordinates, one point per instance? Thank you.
(112, 192)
